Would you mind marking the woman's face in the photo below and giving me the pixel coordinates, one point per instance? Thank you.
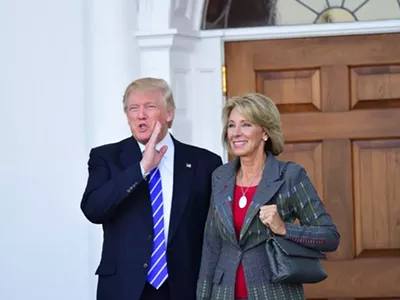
(245, 138)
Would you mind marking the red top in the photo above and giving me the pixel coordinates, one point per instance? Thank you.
(238, 219)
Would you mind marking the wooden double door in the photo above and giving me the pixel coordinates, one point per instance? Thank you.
(339, 99)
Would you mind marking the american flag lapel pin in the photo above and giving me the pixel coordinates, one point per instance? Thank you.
(188, 165)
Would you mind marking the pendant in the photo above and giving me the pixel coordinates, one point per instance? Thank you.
(242, 201)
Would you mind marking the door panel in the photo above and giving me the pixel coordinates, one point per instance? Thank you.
(339, 99)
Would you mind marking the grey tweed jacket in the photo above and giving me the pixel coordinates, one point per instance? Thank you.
(296, 198)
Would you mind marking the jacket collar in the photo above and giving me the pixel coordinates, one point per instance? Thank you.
(224, 185)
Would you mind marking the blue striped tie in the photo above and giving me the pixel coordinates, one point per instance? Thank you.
(158, 271)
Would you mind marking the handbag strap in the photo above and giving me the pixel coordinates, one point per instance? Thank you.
(271, 233)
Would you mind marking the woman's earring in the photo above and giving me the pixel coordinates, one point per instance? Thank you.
(265, 138)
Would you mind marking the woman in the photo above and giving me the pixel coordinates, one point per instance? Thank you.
(252, 193)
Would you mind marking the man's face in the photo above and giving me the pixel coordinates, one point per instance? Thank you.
(143, 110)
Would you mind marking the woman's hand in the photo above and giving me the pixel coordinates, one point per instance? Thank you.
(270, 217)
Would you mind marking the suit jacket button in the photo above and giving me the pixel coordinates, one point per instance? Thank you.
(145, 265)
(149, 237)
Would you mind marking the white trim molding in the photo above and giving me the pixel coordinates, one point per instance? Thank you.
(303, 31)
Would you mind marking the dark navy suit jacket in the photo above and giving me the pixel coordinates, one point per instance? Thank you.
(117, 197)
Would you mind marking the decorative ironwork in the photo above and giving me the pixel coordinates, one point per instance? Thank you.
(325, 14)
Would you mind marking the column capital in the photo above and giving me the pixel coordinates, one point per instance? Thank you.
(156, 15)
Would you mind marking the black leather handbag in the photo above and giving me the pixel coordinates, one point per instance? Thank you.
(291, 262)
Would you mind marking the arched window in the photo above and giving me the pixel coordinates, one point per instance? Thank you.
(251, 13)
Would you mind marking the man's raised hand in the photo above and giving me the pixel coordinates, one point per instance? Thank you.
(152, 157)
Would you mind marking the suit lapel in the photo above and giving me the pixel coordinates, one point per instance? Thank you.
(267, 188)
(224, 188)
(130, 152)
(183, 173)
(129, 155)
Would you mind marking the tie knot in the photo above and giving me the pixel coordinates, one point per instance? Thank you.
(153, 175)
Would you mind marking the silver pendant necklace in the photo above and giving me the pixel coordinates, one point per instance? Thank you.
(243, 199)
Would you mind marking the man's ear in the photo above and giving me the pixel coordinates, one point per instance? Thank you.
(170, 115)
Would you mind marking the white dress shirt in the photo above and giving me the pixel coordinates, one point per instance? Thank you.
(166, 167)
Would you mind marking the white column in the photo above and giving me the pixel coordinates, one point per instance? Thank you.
(171, 48)
(112, 62)
(167, 56)
(166, 42)
(207, 96)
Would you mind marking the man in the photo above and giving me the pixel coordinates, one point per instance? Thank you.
(151, 194)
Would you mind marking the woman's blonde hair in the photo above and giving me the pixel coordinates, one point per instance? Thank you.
(260, 110)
